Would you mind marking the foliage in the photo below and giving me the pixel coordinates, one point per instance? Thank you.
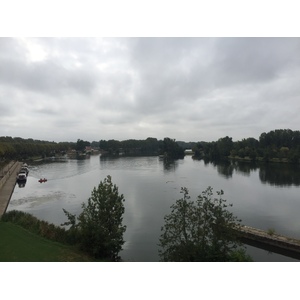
(280, 145)
(271, 231)
(171, 149)
(98, 229)
(150, 146)
(214, 150)
(80, 145)
(18, 244)
(39, 227)
(18, 148)
(204, 230)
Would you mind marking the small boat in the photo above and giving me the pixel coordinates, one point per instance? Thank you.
(42, 180)
(24, 169)
(21, 177)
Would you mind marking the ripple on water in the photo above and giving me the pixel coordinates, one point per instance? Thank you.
(36, 200)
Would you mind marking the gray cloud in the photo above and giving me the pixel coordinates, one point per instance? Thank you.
(185, 88)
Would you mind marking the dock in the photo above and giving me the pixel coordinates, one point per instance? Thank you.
(8, 183)
(270, 241)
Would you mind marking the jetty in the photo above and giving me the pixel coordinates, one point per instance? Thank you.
(8, 183)
(270, 241)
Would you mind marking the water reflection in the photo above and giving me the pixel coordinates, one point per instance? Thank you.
(140, 162)
(245, 168)
(276, 174)
(280, 174)
(272, 249)
(225, 169)
(169, 165)
(150, 186)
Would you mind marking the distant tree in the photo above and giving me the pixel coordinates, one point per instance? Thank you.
(18, 148)
(224, 145)
(95, 144)
(98, 229)
(204, 230)
(132, 147)
(111, 146)
(171, 149)
(80, 145)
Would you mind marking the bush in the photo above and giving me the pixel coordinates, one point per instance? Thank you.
(98, 229)
(204, 230)
(40, 227)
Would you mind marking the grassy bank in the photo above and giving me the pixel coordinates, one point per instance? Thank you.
(19, 245)
(23, 237)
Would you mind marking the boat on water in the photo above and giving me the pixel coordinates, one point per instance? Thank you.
(42, 180)
(23, 174)
(21, 177)
(24, 169)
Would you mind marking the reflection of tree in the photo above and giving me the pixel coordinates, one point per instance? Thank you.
(170, 165)
(275, 174)
(106, 160)
(245, 168)
(226, 169)
(280, 174)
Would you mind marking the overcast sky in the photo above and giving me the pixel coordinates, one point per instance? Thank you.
(189, 89)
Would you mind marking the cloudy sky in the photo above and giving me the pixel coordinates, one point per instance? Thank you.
(190, 89)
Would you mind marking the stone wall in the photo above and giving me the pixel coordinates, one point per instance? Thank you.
(7, 171)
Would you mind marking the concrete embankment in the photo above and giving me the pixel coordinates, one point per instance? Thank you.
(7, 184)
(270, 241)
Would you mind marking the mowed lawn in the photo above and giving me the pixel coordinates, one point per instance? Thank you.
(19, 245)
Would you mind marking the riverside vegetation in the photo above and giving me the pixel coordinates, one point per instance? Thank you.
(18, 244)
(193, 231)
(204, 230)
(98, 230)
(280, 145)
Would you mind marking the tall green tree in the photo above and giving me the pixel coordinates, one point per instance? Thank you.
(204, 230)
(80, 145)
(171, 149)
(98, 229)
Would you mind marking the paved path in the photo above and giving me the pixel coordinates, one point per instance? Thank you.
(8, 185)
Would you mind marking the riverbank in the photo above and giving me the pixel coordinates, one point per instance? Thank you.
(8, 183)
(24, 237)
(269, 240)
(260, 159)
(19, 245)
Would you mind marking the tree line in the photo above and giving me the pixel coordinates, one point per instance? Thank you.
(167, 147)
(277, 145)
(19, 148)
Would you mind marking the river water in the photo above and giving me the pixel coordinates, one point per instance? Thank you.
(265, 197)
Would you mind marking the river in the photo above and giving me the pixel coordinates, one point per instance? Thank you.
(265, 196)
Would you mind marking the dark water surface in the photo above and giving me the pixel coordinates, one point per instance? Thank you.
(264, 197)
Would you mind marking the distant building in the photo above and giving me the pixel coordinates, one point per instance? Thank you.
(188, 152)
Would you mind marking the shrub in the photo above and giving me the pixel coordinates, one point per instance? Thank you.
(40, 227)
(204, 230)
(98, 229)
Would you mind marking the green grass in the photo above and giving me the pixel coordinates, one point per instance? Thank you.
(19, 245)
(271, 231)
